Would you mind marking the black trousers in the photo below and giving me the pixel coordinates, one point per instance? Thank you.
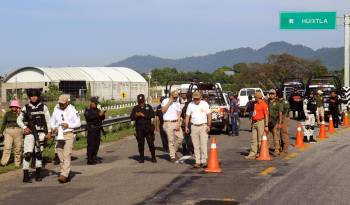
(187, 145)
(93, 143)
(141, 136)
(335, 116)
(164, 138)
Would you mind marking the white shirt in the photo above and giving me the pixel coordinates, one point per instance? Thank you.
(68, 115)
(198, 113)
(173, 110)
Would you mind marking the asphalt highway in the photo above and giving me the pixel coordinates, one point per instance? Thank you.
(314, 175)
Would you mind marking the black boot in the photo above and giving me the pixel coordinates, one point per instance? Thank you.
(142, 155)
(56, 160)
(26, 178)
(38, 176)
(153, 153)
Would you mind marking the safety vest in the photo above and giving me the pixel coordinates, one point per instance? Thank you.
(36, 115)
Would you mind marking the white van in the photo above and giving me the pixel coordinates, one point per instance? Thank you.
(243, 96)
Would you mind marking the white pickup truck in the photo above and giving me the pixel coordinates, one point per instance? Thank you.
(243, 97)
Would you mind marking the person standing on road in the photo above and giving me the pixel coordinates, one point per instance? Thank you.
(249, 108)
(320, 107)
(34, 118)
(63, 121)
(285, 123)
(260, 124)
(12, 133)
(172, 123)
(334, 108)
(275, 119)
(310, 108)
(187, 145)
(94, 118)
(234, 114)
(200, 115)
(159, 126)
(142, 114)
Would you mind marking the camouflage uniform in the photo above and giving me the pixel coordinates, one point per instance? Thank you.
(274, 109)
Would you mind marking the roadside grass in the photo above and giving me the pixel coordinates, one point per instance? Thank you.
(113, 133)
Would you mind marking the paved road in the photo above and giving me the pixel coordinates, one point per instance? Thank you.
(122, 180)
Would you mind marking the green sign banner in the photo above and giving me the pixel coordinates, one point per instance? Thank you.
(308, 20)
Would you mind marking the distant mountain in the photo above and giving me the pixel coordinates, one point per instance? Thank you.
(333, 58)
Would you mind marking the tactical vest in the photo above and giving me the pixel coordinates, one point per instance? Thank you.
(36, 116)
(311, 106)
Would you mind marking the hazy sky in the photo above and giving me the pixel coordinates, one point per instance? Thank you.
(99, 32)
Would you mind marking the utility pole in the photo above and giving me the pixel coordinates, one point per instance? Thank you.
(346, 49)
(149, 85)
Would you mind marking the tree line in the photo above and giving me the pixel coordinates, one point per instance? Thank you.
(276, 70)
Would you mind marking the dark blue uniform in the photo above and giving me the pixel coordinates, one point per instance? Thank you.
(144, 129)
(94, 126)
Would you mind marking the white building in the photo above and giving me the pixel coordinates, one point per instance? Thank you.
(106, 82)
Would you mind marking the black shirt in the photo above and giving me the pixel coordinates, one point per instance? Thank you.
(92, 116)
(333, 103)
(142, 122)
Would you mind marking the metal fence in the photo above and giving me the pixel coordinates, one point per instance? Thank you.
(107, 122)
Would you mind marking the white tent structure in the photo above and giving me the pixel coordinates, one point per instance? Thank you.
(106, 82)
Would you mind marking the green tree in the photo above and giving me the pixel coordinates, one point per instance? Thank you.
(53, 93)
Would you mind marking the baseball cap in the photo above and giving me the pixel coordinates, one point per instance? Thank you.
(175, 94)
(63, 99)
(94, 100)
(196, 95)
(141, 98)
(272, 91)
(258, 95)
(320, 92)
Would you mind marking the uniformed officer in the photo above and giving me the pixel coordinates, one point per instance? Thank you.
(275, 119)
(320, 107)
(285, 122)
(142, 114)
(159, 126)
(34, 119)
(334, 108)
(187, 144)
(94, 118)
(64, 119)
(310, 108)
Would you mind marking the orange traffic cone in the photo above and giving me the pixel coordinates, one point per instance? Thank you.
(322, 134)
(264, 149)
(299, 142)
(330, 125)
(346, 119)
(213, 162)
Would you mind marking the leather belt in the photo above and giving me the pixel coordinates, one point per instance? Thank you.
(254, 121)
(198, 125)
(170, 120)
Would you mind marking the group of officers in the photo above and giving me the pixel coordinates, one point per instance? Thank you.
(271, 115)
(181, 120)
(34, 122)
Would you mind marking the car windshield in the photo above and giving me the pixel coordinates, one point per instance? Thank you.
(243, 93)
(251, 92)
(326, 91)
